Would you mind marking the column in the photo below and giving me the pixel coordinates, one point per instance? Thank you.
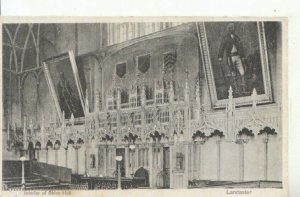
(241, 162)
(82, 160)
(86, 157)
(76, 160)
(20, 99)
(56, 156)
(200, 161)
(47, 154)
(104, 162)
(144, 157)
(186, 122)
(159, 161)
(66, 157)
(266, 159)
(108, 34)
(130, 162)
(171, 167)
(116, 32)
(161, 157)
(37, 154)
(113, 159)
(141, 158)
(146, 164)
(218, 159)
(197, 159)
(136, 30)
(136, 159)
(127, 173)
(186, 174)
(150, 156)
(192, 162)
(100, 163)
(38, 101)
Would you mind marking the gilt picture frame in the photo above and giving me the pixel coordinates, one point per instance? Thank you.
(254, 58)
(64, 85)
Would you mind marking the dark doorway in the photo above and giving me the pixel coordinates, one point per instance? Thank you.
(121, 152)
(166, 167)
(142, 176)
(31, 151)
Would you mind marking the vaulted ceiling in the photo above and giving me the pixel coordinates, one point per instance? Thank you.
(23, 45)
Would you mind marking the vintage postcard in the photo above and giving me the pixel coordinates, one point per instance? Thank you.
(144, 106)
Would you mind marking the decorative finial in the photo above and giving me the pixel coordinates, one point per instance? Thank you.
(72, 119)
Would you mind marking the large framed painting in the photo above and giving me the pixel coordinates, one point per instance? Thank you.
(64, 84)
(234, 54)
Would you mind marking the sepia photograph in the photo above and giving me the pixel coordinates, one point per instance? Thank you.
(143, 105)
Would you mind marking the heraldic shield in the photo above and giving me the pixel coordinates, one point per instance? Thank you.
(121, 69)
(144, 63)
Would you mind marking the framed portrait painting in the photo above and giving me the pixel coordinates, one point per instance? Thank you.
(234, 54)
(64, 84)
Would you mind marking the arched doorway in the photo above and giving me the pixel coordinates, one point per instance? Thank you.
(142, 173)
(38, 147)
(57, 145)
(49, 153)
